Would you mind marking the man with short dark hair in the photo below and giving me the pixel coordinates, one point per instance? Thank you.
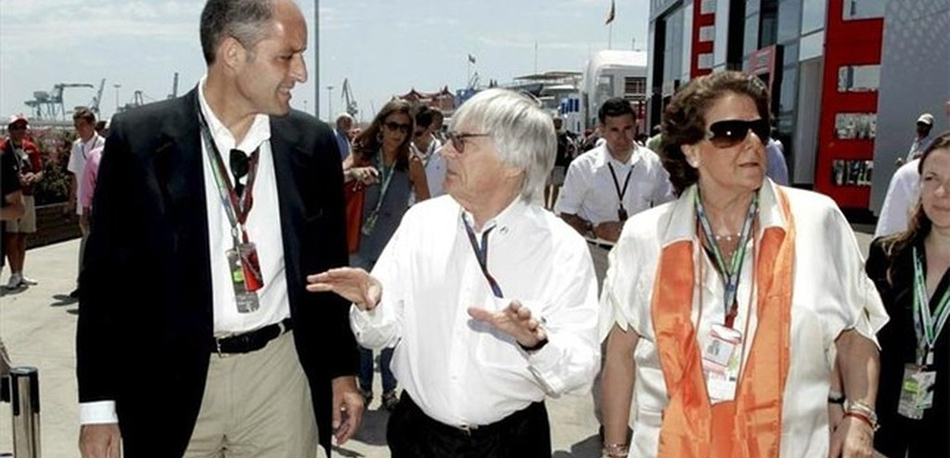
(426, 145)
(344, 123)
(196, 335)
(611, 182)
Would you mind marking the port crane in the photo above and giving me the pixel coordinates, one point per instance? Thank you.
(347, 95)
(48, 105)
(94, 105)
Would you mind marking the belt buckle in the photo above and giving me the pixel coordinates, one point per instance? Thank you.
(217, 346)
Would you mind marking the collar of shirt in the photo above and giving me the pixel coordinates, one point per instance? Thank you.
(258, 133)
(503, 220)
(682, 225)
(604, 157)
(92, 143)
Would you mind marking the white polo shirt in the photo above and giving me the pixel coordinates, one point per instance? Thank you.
(590, 191)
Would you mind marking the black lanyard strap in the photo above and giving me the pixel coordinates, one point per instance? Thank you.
(626, 182)
(482, 255)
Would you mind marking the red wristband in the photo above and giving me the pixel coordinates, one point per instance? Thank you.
(862, 417)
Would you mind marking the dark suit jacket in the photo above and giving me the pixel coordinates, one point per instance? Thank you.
(927, 437)
(145, 319)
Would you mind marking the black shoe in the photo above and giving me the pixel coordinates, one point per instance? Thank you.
(74, 294)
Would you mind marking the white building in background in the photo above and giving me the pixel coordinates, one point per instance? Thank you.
(615, 73)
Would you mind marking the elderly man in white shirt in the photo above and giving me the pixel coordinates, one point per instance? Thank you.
(611, 182)
(490, 300)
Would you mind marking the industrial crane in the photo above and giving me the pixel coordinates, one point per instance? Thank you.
(94, 105)
(49, 105)
(347, 95)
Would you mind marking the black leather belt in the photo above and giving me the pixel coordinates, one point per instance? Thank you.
(605, 246)
(251, 340)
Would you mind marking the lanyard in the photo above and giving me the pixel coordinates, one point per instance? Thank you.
(927, 328)
(626, 181)
(82, 146)
(730, 273)
(482, 255)
(236, 207)
(387, 175)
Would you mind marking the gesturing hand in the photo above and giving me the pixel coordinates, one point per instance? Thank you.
(355, 285)
(515, 320)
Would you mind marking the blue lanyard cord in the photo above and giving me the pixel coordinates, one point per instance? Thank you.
(730, 273)
(927, 327)
(481, 254)
(386, 174)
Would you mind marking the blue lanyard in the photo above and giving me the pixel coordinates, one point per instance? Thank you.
(482, 255)
(731, 272)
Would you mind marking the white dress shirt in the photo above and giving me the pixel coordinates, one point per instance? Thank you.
(590, 193)
(902, 194)
(831, 294)
(463, 372)
(263, 227)
(77, 162)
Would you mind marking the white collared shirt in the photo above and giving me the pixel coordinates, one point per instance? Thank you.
(263, 226)
(77, 162)
(461, 372)
(902, 194)
(831, 294)
(590, 193)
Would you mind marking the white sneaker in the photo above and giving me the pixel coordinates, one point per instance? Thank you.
(28, 281)
(15, 281)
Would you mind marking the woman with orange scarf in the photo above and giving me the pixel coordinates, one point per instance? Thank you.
(727, 311)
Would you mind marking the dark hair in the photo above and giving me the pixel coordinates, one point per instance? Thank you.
(367, 144)
(244, 20)
(424, 117)
(85, 114)
(684, 120)
(615, 107)
(919, 224)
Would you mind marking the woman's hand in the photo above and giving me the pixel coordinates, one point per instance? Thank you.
(852, 438)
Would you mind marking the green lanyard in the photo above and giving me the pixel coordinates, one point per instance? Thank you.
(927, 328)
(730, 273)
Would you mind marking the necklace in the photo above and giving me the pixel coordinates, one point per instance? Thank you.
(727, 237)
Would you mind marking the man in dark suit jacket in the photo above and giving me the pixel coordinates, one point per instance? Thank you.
(179, 350)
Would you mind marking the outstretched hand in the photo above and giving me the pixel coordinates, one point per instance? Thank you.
(515, 320)
(354, 285)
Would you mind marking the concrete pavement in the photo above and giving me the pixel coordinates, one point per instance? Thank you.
(38, 326)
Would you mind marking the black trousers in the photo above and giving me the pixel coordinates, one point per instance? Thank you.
(523, 434)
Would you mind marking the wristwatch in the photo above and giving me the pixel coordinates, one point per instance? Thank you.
(541, 343)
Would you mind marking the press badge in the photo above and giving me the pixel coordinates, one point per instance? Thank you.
(722, 355)
(246, 276)
(917, 391)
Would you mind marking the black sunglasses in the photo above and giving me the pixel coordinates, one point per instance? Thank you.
(394, 126)
(240, 165)
(729, 133)
(458, 140)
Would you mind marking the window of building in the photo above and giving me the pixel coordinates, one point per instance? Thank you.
(635, 86)
(859, 78)
(863, 9)
(812, 46)
(813, 15)
(768, 29)
(707, 7)
(751, 35)
(752, 6)
(705, 61)
(855, 126)
(707, 33)
(788, 93)
(722, 33)
(789, 20)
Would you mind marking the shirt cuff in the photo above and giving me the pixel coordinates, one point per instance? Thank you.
(97, 413)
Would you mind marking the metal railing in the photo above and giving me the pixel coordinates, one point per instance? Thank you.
(22, 390)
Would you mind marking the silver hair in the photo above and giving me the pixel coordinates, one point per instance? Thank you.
(522, 132)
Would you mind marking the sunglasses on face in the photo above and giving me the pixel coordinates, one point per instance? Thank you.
(398, 126)
(728, 133)
(458, 140)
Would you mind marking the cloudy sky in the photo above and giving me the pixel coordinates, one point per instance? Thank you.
(382, 47)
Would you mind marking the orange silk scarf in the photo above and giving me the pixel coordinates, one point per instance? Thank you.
(751, 425)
